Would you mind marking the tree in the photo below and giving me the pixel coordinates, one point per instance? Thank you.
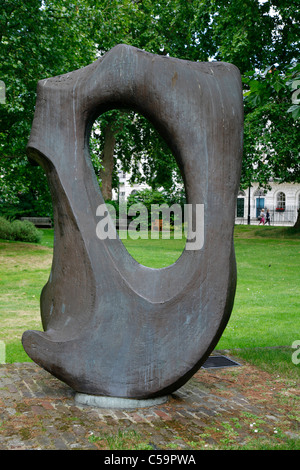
(271, 126)
(160, 28)
(43, 38)
(262, 40)
(126, 141)
(249, 34)
(38, 39)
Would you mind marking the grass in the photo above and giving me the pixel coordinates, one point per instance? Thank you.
(122, 440)
(267, 302)
(265, 322)
(273, 360)
(24, 270)
(155, 253)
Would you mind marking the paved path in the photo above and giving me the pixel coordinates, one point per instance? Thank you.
(215, 409)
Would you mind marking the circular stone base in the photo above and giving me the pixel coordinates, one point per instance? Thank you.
(115, 402)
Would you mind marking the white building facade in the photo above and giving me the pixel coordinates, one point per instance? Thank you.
(282, 201)
(126, 187)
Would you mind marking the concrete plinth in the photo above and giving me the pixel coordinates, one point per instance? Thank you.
(116, 402)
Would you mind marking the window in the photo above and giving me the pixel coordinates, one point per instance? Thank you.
(260, 192)
(240, 207)
(280, 202)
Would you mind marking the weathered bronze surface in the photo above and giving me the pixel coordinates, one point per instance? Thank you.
(113, 327)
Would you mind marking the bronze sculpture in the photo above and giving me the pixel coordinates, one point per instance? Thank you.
(112, 326)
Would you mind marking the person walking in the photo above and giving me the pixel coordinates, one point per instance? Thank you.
(262, 217)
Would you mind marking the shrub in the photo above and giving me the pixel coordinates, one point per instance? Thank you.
(148, 197)
(19, 230)
(5, 229)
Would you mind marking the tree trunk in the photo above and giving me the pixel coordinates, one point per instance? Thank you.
(108, 163)
(297, 224)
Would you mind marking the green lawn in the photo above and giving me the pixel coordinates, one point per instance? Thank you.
(267, 303)
(24, 269)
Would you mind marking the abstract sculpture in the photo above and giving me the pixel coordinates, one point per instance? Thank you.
(113, 327)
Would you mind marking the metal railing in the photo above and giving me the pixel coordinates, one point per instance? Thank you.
(286, 217)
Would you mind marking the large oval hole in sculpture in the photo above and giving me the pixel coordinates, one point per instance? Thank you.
(138, 176)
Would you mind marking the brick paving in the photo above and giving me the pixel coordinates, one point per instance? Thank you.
(37, 411)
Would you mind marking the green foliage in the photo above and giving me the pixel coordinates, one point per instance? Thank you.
(43, 38)
(147, 197)
(30, 201)
(252, 34)
(271, 129)
(139, 149)
(293, 81)
(25, 231)
(5, 229)
(38, 39)
(19, 231)
(275, 84)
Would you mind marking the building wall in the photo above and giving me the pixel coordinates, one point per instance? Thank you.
(126, 188)
(284, 196)
(258, 198)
